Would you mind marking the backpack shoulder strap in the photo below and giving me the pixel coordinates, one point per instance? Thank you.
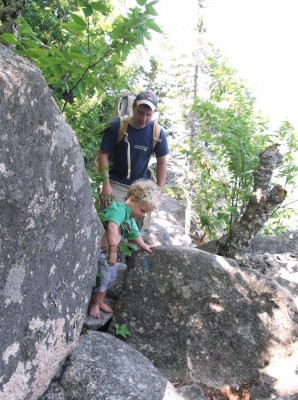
(156, 134)
(122, 128)
(96, 160)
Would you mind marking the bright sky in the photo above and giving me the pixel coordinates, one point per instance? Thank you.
(260, 40)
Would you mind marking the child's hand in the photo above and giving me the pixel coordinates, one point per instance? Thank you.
(147, 247)
(112, 258)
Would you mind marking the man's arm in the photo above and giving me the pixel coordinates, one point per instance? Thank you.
(161, 170)
(103, 168)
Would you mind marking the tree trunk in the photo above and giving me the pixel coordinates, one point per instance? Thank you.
(193, 124)
(10, 10)
(190, 172)
(263, 202)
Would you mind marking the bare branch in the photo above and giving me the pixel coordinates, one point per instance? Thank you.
(259, 208)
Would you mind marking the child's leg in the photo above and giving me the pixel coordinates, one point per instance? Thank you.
(107, 276)
(103, 306)
(106, 284)
(94, 305)
(97, 303)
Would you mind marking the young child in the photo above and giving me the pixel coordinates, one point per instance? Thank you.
(143, 196)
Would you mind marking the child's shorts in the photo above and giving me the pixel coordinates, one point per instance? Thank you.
(106, 274)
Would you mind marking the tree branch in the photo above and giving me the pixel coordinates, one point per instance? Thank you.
(259, 208)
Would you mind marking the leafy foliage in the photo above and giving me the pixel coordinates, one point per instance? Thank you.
(289, 168)
(81, 47)
(287, 213)
(230, 136)
(127, 248)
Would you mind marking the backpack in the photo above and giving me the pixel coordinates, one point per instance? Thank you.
(123, 105)
(123, 110)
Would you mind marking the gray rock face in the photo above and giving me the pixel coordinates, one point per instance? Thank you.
(105, 368)
(282, 244)
(201, 318)
(274, 257)
(49, 233)
(167, 224)
(191, 392)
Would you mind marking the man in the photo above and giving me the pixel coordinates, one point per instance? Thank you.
(127, 161)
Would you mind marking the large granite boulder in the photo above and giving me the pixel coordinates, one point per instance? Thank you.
(167, 224)
(276, 258)
(200, 318)
(50, 233)
(105, 368)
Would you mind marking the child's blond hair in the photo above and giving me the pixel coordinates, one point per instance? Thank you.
(147, 192)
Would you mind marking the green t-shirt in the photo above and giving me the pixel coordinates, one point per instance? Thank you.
(120, 213)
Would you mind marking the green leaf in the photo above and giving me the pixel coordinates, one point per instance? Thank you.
(78, 20)
(75, 49)
(130, 37)
(152, 25)
(122, 330)
(73, 27)
(78, 56)
(114, 59)
(205, 220)
(97, 6)
(141, 2)
(88, 10)
(150, 10)
(58, 71)
(82, 3)
(38, 53)
(30, 43)
(57, 53)
(9, 38)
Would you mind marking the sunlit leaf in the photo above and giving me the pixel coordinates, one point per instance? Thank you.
(30, 43)
(74, 27)
(97, 6)
(58, 71)
(78, 20)
(9, 38)
(150, 10)
(57, 53)
(78, 55)
(40, 53)
(82, 3)
(152, 25)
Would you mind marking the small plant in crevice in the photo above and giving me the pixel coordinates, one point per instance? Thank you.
(121, 330)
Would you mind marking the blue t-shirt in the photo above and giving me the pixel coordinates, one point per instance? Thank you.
(130, 157)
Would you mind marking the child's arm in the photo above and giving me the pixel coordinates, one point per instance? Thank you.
(142, 245)
(113, 239)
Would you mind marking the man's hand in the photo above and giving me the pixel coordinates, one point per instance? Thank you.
(106, 195)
